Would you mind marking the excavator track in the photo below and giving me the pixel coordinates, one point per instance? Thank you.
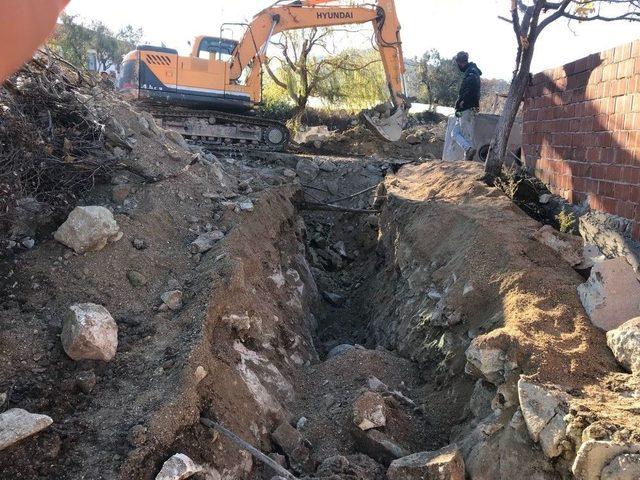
(222, 131)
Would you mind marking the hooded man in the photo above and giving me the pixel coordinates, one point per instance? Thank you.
(467, 105)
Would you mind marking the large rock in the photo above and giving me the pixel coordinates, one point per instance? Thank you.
(623, 467)
(445, 464)
(88, 229)
(544, 410)
(568, 247)
(17, 424)
(624, 342)
(611, 296)
(595, 455)
(307, 170)
(294, 447)
(378, 446)
(485, 362)
(178, 467)
(369, 411)
(206, 241)
(500, 448)
(89, 333)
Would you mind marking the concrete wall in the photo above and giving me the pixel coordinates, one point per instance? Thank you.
(582, 132)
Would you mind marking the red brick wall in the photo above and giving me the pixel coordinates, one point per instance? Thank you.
(582, 131)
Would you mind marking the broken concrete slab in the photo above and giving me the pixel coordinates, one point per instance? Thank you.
(595, 455)
(89, 332)
(624, 342)
(88, 229)
(444, 464)
(623, 467)
(567, 246)
(378, 446)
(611, 296)
(544, 410)
(17, 424)
(369, 411)
(178, 467)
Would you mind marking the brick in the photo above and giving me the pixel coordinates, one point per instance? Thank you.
(634, 194)
(619, 87)
(626, 209)
(591, 185)
(626, 68)
(610, 205)
(623, 52)
(622, 191)
(636, 231)
(603, 139)
(635, 49)
(606, 188)
(623, 104)
(636, 68)
(613, 173)
(607, 156)
(631, 175)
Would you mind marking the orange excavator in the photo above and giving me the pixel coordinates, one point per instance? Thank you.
(209, 96)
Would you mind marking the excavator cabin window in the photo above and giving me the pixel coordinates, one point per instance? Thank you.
(222, 48)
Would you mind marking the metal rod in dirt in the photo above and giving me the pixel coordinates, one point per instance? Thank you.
(357, 194)
(283, 472)
(333, 208)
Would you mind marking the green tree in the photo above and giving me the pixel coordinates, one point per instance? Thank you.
(74, 39)
(440, 79)
(302, 72)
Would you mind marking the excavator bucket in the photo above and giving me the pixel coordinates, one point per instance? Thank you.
(386, 125)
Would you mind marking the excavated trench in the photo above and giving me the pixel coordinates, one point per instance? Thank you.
(333, 341)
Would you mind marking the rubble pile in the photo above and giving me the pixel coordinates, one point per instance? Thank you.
(51, 145)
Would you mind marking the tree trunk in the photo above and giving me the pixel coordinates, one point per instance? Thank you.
(517, 90)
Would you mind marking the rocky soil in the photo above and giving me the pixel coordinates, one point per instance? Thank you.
(378, 317)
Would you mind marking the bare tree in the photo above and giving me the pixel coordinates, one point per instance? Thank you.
(529, 19)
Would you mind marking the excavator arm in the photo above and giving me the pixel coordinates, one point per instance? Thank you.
(299, 14)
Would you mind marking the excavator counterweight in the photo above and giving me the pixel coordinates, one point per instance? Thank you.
(217, 86)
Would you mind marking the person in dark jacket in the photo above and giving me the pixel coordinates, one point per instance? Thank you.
(467, 105)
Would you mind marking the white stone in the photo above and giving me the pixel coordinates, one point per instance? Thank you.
(624, 342)
(369, 411)
(611, 296)
(246, 206)
(543, 410)
(89, 333)
(623, 467)
(553, 239)
(88, 229)
(486, 362)
(178, 467)
(595, 455)
(17, 424)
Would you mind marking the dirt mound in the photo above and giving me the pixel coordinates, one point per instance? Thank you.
(423, 141)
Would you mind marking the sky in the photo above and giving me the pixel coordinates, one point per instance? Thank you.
(447, 25)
